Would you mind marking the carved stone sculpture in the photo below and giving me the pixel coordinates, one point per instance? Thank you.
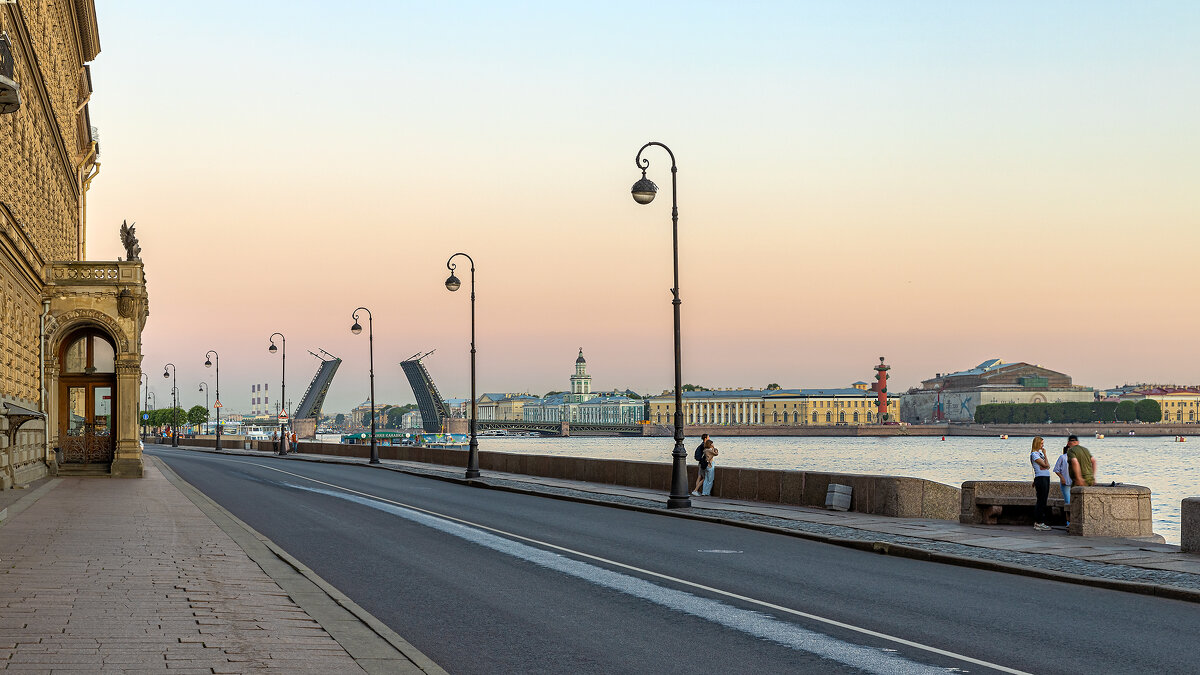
(132, 250)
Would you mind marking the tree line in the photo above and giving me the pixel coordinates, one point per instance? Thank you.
(1081, 412)
(161, 417)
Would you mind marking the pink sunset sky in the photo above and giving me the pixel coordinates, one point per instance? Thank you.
(937, 183)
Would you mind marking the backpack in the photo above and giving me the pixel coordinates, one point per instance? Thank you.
(700, 453)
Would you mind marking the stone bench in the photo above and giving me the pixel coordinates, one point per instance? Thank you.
(1189, 525)
(1008, 502)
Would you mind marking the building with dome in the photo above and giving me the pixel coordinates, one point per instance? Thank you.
(579, 404)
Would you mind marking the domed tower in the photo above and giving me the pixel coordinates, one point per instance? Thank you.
(581, 382)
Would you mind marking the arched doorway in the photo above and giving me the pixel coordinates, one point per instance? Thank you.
(87, 396)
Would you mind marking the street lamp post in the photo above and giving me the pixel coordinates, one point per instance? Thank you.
(145, 403)
(204, 388)
(283, 388)
(151, 399)
(357, 329)
(453, 284)
(174, 404)
(209, 357)
(643, 193)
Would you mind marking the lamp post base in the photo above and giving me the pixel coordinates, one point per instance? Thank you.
(679, 498)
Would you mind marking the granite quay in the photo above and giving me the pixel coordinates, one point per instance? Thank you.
(148, 575)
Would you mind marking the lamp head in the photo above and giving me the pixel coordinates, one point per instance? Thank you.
(453, 284)
(272, 348)
(165, 373)
(356, 328)
(207, 363)
(644, 190)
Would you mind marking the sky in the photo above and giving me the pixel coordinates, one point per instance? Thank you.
(938, 183)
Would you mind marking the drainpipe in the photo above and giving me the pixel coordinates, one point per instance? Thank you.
(85, 182)
(42, 394)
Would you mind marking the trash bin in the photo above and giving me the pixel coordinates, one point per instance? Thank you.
(247, 445)
(837, 497)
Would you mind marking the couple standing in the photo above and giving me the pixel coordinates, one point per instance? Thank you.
(706, 452)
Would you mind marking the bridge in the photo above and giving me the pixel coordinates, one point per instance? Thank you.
(560, 429)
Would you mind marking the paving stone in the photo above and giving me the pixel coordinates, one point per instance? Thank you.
(130, 576)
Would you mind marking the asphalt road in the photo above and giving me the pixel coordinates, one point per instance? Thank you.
(486, 581)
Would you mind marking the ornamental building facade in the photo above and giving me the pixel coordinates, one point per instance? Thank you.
(70, 365)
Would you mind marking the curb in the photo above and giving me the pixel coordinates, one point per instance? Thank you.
(406, 659)
(881, 547)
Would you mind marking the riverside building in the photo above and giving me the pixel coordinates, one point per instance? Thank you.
(70, 376)
(581, 405)
(1178, 404)
(852, 405)
(953, 397)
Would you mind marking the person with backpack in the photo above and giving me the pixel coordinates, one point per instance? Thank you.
(710, 471)
(703, 465)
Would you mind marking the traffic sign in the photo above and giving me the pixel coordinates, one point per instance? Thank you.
(145, 416)
(218, 404)
(283, 417)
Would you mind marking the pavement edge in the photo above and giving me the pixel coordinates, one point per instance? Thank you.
(375, 647)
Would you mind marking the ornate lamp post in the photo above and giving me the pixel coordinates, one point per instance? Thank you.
(209, 357)
(283, 388)
(357, 329)
(204, 388)
(453, 284)
(174, 404)
(643, 193)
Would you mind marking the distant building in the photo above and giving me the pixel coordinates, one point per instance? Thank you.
(459, 407)
(1179, 404)
(411, 420)
(581, 405)
(772, 407)
(953, 397)
(511, 407)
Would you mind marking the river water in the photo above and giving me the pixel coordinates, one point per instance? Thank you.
(1168, 468)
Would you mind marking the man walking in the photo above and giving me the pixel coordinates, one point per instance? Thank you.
(1083, 465)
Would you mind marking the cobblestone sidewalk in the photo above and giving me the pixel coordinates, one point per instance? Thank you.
(128, 576)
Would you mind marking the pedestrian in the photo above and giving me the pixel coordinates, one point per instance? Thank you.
(1041, 482)
(710, 455)
(1062, 467)
(702, 466)
(295, 445)
(1083, 465)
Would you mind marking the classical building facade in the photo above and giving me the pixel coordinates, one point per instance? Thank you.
(70, 365)
(772, 407)
(1180, 405)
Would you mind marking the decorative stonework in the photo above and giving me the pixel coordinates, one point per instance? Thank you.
(84, 272)
(69, 321)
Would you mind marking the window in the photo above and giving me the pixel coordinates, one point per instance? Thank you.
(828, 417)
(89, 354)
(814, 418)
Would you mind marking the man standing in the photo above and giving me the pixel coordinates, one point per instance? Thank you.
(1083, 465)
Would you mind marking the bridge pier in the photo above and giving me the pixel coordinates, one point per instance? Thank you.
(566, 428)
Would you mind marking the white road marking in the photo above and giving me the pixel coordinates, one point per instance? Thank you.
(717, 550)
(416, 510)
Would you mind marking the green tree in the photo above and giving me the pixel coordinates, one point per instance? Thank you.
(552, 393)
(1126, 411)
(1148, 410)
(340, 419)
(197, 415)
(395, 417)
(773, 386)
(695, 387)
(1105, 411)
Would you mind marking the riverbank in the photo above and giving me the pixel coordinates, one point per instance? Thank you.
(853, 431)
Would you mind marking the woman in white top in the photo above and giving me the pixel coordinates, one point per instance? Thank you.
(1041, 482)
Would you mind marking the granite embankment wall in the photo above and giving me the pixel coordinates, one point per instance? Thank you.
(897, 496)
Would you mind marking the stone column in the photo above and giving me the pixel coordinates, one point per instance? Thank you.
(127, 463)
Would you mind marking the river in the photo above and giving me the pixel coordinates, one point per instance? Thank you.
(1167, 467)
